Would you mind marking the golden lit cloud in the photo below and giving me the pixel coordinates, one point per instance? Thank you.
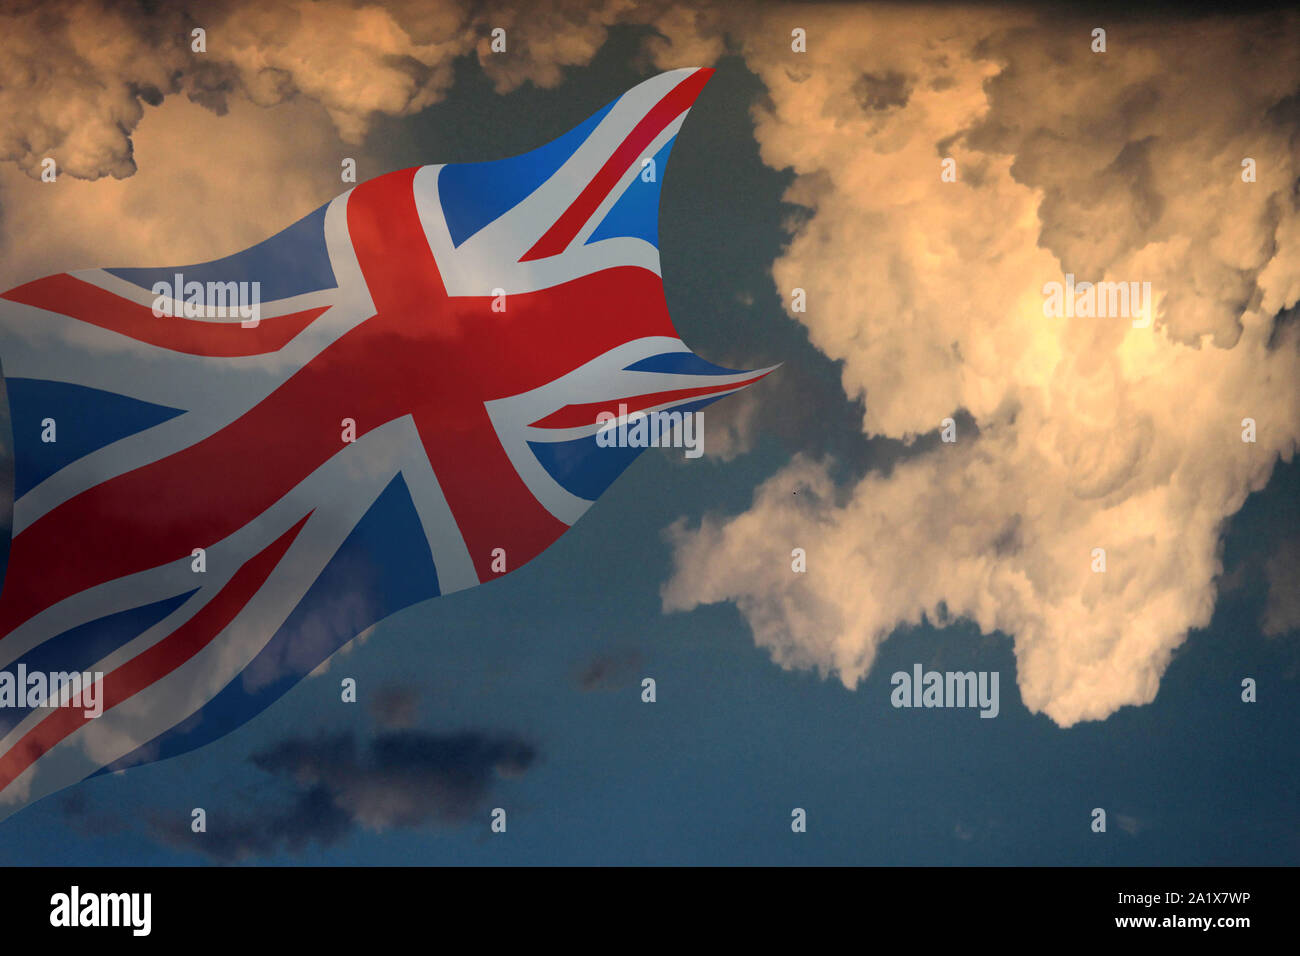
(1122, 166)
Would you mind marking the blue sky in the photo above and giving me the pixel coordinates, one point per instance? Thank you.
(539, 673)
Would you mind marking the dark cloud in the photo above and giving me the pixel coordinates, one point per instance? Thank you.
(403, 778)
(1282, 612)
(395, 706)
(87, 820)
(609, 670)
(880, 91)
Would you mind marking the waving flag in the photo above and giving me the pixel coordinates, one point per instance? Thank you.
(210, 501)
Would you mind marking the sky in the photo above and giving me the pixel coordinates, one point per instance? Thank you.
(819, 170)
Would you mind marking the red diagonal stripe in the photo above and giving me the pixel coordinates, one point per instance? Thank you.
(156, 662)
(678, 101)
(89, 303)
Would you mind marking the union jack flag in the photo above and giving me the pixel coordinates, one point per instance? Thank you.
(201, 531)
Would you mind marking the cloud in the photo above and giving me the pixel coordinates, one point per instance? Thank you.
(81, 816)
(733, 427)
(77, 79)
(400, 779)
(395, 706)
(609, 671)
(107, 87)
(1085, 433)
(1282, 571)
(183, 206)
(1130, 825)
